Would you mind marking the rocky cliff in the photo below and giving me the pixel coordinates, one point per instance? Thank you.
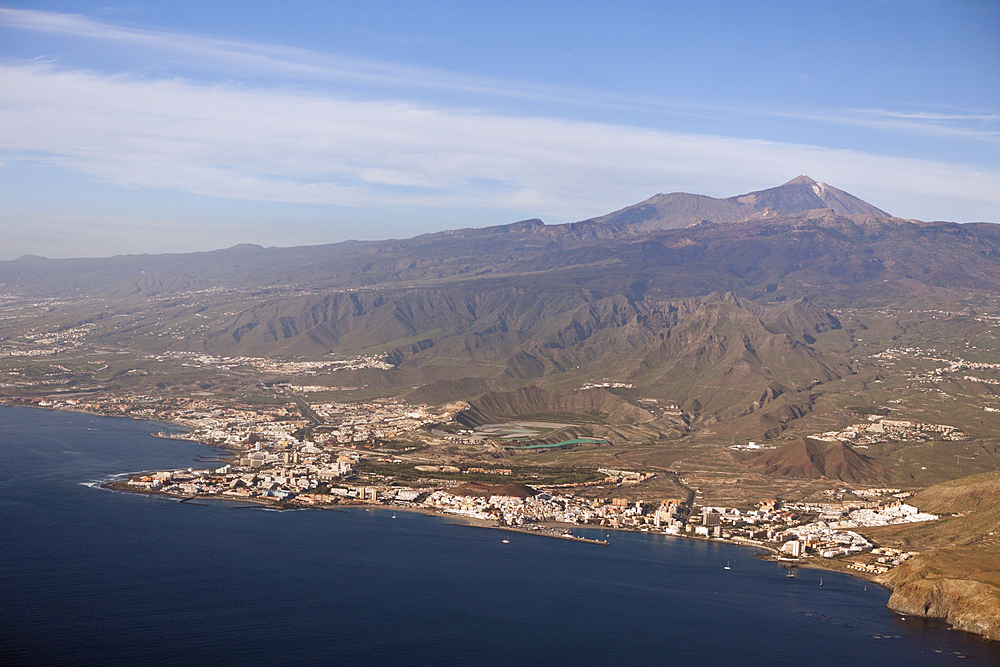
(973, 606)
(957, 574)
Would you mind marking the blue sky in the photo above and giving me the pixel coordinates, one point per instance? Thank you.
(180, 126)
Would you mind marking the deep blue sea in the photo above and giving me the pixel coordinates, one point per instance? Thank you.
(93, 577)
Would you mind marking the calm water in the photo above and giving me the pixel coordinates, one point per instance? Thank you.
(94, 577)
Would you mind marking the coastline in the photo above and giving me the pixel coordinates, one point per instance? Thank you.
(543, 530)
(549, 529)
(471, 521)
(121, 486)
(165, 436)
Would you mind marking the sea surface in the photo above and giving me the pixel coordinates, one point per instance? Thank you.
(94, 577)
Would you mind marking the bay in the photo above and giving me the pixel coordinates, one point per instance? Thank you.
(92, 576)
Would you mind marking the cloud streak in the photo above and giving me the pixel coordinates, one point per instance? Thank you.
(268, 144)
(240, 57)
(268, 59)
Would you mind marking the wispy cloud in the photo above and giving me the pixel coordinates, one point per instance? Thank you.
(980, 127)
(926, 115)
(270, 144)
(234, 58)
(268, 59)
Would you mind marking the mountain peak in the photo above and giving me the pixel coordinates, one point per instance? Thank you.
(803, 194)
(679, 209)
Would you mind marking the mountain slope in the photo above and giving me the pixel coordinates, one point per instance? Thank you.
(957, 575)
(721, 320)
(494, 407)
(678, 209)
(813, 459)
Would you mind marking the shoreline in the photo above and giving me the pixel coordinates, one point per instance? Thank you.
(121, 486)
(165, 436)
(471, 521)
(545, 529)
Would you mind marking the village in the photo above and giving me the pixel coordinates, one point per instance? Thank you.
(881, 429)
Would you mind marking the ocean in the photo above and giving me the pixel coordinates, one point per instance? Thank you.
(90, 576)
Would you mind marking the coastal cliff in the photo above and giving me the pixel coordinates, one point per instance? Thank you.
(973, 606)
(956, 577)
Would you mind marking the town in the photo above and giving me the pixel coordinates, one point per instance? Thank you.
(301, 448)
(271, 463)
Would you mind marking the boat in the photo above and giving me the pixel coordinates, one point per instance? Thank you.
(506, 541)
(820, 582)
(727, 566)
(790, 574)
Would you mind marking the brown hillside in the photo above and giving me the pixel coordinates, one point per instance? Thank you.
(497, 406)
(957, 574)
(815, 459)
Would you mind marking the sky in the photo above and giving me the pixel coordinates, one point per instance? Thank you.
(181, 126)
